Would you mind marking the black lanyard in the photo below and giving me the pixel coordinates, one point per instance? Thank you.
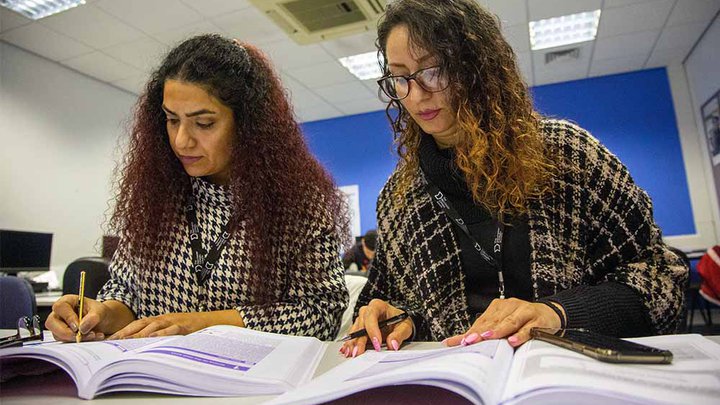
(494, 261)
(203, 262)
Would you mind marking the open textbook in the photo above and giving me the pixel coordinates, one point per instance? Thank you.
(217, 361)
(537, 373)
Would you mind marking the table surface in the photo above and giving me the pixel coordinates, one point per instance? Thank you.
(47, 299)
(58, 389)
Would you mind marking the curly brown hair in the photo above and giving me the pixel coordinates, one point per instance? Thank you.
(277, 186)
(500, 150)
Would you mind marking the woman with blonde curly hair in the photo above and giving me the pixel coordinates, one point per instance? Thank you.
(497, 219)
(224, 215)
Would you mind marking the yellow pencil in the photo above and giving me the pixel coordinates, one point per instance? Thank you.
(78, 337)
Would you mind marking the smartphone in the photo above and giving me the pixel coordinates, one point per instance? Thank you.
(601, 347)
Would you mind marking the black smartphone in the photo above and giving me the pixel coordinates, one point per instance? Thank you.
(601, 347)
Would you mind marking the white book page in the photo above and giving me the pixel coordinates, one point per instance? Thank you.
(693, 377)
(220, 360)
(80, 360)
(476, 372)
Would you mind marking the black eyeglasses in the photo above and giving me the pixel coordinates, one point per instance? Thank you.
(397, 87)
(28, 329)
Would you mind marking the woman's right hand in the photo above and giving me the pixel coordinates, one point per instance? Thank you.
(63, 320)
(368, 318)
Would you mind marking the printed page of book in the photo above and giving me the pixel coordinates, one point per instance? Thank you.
(217, 361)
(544, 373)
(477, 372)
(81, 361)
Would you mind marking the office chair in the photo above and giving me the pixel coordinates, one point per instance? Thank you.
(17, 299)
(96, 275)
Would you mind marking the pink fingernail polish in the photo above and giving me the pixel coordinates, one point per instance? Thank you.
(486, 334)
(394, 344)
(462, 342)
(355, 350)
(471, 338)
(513, 340)
(376, 344)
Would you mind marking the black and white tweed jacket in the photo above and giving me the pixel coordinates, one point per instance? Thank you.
(594, 232)
(310, 291)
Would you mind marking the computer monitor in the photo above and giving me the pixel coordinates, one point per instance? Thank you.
(24, 251)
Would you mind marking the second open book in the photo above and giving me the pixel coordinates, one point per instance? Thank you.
(537, 373)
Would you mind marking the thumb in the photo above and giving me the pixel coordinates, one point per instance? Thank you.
(400, 333)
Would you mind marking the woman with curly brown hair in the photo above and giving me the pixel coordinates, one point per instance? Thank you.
(224, 215)
(496, 219)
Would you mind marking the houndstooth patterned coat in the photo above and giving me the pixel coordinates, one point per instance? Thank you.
(310, 290)
(593, 237)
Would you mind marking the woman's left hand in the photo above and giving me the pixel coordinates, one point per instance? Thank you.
(162, 325)
(512, 318)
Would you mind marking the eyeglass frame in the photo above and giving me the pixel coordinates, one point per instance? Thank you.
(408, 78)
(24, 322)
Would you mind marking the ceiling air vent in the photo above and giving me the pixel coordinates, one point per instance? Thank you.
(308, 21)
(565, 55)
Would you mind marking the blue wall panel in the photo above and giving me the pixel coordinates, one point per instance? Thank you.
(632, 114)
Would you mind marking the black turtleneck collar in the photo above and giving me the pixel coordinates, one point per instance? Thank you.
(439, 168)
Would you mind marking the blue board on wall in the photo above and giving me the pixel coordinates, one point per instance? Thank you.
(631, 113)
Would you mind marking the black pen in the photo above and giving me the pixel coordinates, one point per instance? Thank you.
(363, 332)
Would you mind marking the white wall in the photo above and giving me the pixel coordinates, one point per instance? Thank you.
(58, 136)
(702, 71)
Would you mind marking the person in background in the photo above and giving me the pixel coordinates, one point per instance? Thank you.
(497, 219)
(360, 256)
(223, 214)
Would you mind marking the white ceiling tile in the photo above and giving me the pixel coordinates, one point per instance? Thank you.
(344, 92)
(44, 41)
(681, 36)
(375, 90)
(323, 74)
(620, 65)
(134, 84)
(10, 19)
(151, 16)
(561, 69)
(665, 57)
(291, 85)
(250, 25)
(621, 46)
(540, 10)
(623, 3)
(524, 62)
(101, 66)
(634, 18)
(510, 12)
(305, 99)
(214, 8)
(361, 106)
(145, 54)
(288, 55)
(689, 11)
(518, 36)
(351, 45)
(316, 112)
(174, 37)
(92, 26)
